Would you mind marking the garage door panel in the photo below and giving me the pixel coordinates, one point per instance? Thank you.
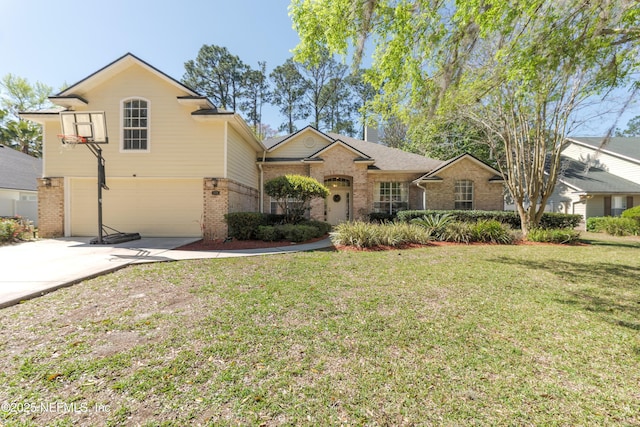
(151, 207)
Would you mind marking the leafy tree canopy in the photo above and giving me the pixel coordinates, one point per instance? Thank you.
(293, 193)
(520, 69)
(17, 95)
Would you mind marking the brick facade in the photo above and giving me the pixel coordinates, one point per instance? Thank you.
(222, 196)
(50, 207)
(486, 195)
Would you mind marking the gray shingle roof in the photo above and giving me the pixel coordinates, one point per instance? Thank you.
(590, 179)
(18, 171)
(628, 147)
(391, 159)
(386, 158)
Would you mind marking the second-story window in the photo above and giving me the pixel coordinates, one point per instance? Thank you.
(135, 126)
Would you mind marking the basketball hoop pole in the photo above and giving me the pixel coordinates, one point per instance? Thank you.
(97, 151)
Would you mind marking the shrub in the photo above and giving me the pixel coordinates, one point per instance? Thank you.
(633, 213)
(596, 223)
(323, 227)
(492, 231)
(381, 217)
(15, 230)
(292, 232)
(557, 235)
(549, 219)
(297, 232)
(615, 226)
(435, 224)
(366, 235)
(459, 232)
(244, 225)
(268, 233)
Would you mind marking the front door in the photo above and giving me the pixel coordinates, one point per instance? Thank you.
(338, 204)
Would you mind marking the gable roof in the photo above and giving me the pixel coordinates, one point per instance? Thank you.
(590, 179)
(18, 171)
(104, 73)
(278, 141)
(624, 147)
(432, 175)
(383, 158)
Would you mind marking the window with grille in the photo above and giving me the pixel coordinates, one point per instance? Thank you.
(464, 195)
(391, 197)
(135, 125)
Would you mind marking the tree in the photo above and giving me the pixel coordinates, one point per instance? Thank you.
(18, 95)
(256, 93)
(363, 94)
(337, 115)
(449, 138)
(521, 69)
(323, 77)
(633, 128)
(288, 92)
(218, 74)
(293, 193)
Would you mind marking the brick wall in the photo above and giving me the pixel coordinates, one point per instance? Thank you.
(338, 162)
(222, 196)
(50, 207)
(486, 195)
(415, 193)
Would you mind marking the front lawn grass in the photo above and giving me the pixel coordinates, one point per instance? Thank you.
(450, 335)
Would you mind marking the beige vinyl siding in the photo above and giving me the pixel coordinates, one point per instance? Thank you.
(612, 164)
(295, 148)
(151, 207)
(241, 163)
(179, 146)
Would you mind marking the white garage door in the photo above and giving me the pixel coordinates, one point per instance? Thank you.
(151, 207)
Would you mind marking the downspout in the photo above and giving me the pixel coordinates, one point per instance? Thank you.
(424, 194)
(264, 155)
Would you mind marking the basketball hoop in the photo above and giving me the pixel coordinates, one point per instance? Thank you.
(72, 139)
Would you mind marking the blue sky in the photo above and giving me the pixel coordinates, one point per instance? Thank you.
(63, 41)
(58, 41)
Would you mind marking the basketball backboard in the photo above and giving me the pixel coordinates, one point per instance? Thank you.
(86, 126)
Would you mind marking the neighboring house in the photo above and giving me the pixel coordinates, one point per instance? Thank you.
(175, 165)
(19, 175)
(598, 179)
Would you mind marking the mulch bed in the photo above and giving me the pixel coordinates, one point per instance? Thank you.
(235, 244)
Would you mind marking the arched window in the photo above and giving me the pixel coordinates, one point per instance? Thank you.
(135, 125)
(464, 195)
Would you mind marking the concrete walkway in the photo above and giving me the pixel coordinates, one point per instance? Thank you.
(31, 269)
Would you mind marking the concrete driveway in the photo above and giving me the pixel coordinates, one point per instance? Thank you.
(31, 269)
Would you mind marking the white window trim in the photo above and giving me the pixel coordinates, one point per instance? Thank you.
(404, 195)
(472, 194)
(122, 102)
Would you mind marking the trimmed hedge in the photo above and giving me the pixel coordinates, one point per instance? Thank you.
(511, 218)
(244, 225)
(270, 227)
(289, 232)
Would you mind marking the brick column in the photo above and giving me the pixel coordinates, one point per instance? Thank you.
(50, 207)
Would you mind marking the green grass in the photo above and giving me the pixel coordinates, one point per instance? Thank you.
(450, 335)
